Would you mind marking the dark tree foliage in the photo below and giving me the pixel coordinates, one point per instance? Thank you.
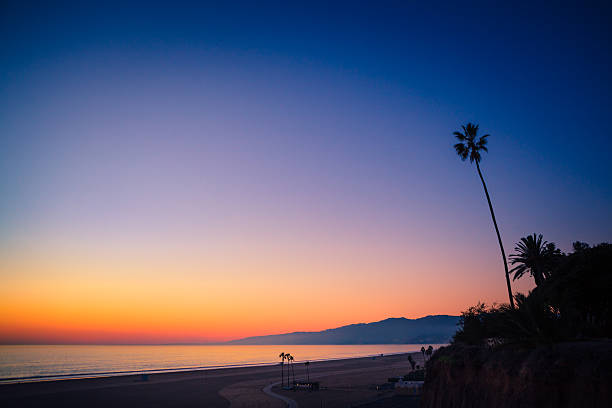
(581, 291)
(473, 325)
(573, 302)
(535, 256)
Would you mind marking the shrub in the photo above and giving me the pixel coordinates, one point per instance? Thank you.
(573, 302)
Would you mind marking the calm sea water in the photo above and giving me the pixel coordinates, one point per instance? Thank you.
(49, 362)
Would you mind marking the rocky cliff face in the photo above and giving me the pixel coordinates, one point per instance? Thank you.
(577, 374)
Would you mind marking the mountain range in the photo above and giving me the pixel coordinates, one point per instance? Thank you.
(429, 329)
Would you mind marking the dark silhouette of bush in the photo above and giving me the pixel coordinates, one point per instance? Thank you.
(474, 325)
(572, 302)
(580, 291)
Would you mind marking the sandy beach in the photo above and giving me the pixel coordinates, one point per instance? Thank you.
(343, 382)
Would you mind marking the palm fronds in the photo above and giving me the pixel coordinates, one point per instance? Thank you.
(470, 145)
(535, 256)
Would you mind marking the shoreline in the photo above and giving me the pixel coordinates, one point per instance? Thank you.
(109, 374)
(216, 387)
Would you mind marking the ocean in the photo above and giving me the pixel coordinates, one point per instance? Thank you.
(37, 362)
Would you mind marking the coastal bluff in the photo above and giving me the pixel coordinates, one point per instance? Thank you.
(573, 374)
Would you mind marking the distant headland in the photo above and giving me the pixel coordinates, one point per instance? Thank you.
(429, 329)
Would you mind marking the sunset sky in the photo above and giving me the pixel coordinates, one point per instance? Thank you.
(171, 174)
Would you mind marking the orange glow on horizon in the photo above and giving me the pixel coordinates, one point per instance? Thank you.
(58, 297)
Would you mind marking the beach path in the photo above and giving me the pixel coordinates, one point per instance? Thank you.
(249, 394)
(268, 390)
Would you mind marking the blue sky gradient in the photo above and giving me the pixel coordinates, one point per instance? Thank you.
(142, 126)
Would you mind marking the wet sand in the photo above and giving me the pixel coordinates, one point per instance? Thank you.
(344, 382)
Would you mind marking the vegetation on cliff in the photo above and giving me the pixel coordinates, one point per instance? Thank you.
(552, 350)
(571, 300)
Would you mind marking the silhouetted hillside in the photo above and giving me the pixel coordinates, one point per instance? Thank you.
(429, 329)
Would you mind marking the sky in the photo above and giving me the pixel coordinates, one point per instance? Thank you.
(179, 174)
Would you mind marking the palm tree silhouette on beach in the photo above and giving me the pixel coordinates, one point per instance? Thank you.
(470, 146)
(533, 255)
(282, 356)
(290, 359)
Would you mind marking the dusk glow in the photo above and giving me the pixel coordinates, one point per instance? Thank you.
(199, 175)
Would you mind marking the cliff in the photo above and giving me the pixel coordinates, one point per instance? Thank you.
(577, 374)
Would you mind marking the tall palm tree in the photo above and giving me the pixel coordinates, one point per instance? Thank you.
(533, 255)
(292, 369)
(469, 147)
(288, 367)
(282, 356)
(288, 357)
(423, 352)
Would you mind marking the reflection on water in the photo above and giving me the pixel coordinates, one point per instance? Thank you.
(70, 360)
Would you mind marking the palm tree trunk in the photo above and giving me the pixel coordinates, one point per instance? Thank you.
(538, 276)
(501, 246)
